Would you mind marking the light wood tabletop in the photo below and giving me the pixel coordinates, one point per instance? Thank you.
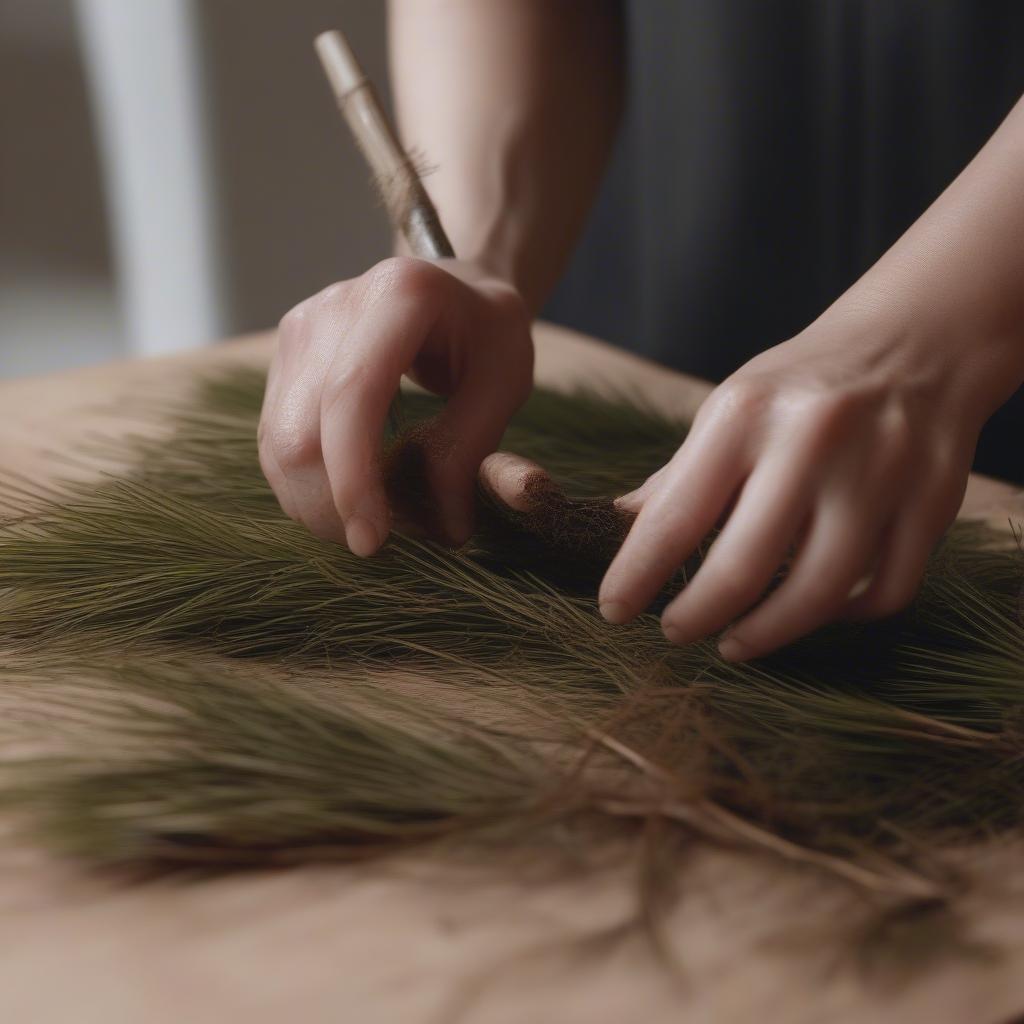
(416, 941)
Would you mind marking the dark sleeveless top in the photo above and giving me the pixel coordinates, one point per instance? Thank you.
(770, 153)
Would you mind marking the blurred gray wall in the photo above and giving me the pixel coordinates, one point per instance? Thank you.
(297, 210)
(293, 207)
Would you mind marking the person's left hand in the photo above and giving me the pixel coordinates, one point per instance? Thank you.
(843, 454)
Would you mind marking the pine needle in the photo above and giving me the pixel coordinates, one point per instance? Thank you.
(477, 696)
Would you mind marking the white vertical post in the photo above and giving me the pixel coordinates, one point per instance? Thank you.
(143, 67)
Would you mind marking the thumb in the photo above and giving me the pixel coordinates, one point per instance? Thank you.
(512, 479)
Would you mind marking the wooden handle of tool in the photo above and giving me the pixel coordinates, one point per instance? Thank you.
(405, 198)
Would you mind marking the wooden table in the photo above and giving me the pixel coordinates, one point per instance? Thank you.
(411, 942)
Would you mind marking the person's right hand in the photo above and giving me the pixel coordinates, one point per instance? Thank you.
(341, 354)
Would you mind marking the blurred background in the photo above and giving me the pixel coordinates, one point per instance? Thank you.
(237, 191)
(175, 171)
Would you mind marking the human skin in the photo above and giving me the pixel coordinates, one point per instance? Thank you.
(842, 453)
(516, 103)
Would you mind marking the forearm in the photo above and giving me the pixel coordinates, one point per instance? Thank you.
(513, 104)
(955, 280)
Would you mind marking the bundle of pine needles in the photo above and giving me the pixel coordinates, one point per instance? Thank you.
(199, 679)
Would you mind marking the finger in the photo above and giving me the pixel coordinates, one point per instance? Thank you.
(400, 306)
(633, 500)
(289, 440)
(839, 550)
(268, 416)
(295, 457)
(510, 478)
(771, 509)
(906, 547)
(701, 480)
(469, 429)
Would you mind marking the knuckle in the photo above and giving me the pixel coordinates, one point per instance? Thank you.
(286, 449)
(828, 415)
(898, 430)
(739, 398)
(293, 328)
(293, 320)
(335, 294)
(897, 444)
(413, 278)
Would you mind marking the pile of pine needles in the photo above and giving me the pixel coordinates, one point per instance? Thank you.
(193, 678)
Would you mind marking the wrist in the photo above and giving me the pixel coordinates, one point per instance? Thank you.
(945, 340)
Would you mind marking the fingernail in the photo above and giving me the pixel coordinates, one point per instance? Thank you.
(673, 634)
(731, 649)
(361, 536)
(615, 612)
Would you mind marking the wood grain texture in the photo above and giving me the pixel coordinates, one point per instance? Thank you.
(413, 941)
